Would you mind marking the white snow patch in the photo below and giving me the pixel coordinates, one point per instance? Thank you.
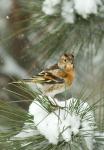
(69, 125)
(68, 11)
(86, 7)
(51, 125)
(37, 110)
(62, 121)
(46, 124)
(49, 6)
(69, 8)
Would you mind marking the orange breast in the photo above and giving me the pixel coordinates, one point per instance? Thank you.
(68, 75)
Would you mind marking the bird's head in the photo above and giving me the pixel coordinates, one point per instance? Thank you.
(66, 61)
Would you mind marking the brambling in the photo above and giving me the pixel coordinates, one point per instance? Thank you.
(57, 78)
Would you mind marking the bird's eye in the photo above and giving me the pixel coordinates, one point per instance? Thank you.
(65, 60)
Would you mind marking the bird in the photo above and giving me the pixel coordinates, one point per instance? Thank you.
(55, 79)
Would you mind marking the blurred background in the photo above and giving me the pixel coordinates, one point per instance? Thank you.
(31, 41)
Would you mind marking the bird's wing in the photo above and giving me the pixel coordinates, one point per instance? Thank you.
(54, 67)
(46, 77)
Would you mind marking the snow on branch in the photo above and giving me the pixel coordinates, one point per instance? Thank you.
(72, 117)
(70, 8)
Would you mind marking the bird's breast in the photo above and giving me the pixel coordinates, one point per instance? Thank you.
(69, 77)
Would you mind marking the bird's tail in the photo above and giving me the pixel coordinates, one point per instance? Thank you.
(29, 80)
(23, 81)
